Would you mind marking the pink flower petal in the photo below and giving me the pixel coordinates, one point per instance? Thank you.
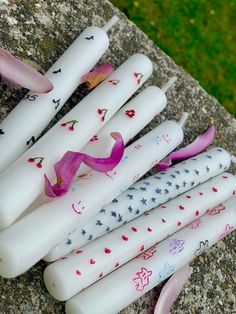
(172, 289)
(68, 166)
(19, 73)
(196, 147)
(97, 75)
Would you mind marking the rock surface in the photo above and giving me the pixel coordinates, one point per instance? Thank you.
(38, 32)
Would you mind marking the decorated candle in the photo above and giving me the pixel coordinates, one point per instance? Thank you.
(33, 113)
(21, 183)
(128, 121)
(125, 285)
(143, 196)
(76, 272)
(31, 238)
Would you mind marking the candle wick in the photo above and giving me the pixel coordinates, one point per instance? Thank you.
(110, 23)
(233, 159)
(169, 84)
(183, 119)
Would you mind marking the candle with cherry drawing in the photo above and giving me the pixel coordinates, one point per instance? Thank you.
(143, 196)
(131, 239)
(34, 112)
(31, 238)
(155, 265)
(72, 132)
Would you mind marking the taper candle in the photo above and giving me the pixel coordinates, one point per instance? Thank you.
(31, 238)
(29, 118)
(143, 196)
(153, 266)
(71, 275)
(23, 182)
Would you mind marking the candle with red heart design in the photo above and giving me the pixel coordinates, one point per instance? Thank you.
(155, 265)
(131, 239)
(72, 132)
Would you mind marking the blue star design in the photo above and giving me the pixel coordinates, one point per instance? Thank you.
(137, 212)
(153, 199)
(173, 176)
(83, 232)
(221, 166)
(162, 173)
(186, 170)
(115, 200)
(103, 211)
(207, 169)
(90, 237)
(158, 191)
(157, 177)
(143, 189)
(146, 183)
(130, 196)
(113, 213)
(130, 209)
(169, 183)
(184, 183)
(68, 242)
(166, 191)
(157, 140)
(197, 172)
(208, 156)
(177, 171)
(120, 218)
(99, 223)
(144, 201)
(108, 229)
(192, 183)
(219, 150)
(193, 159)
(131, 188)
(177, 186)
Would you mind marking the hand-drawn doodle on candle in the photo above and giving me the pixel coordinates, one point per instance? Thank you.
(31, 141)
(166, 138)
(37, 160)
(138, 146)
(80, 208)
(166, 272)
(157, 140)
(203, 245)
(2, 132)
(114, 82)
(31, 97)
(176, 246)
(195, 224)
(103, 113)
(94, 138)
(138, 76)
(130, 113)
(142, 279)
(70, 124)
(89, 38)
(228, 230)
(148, 254)
(57, 102)
(215, 211)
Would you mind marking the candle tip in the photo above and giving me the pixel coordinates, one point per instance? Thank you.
(233, 159)
(183, 119)
(169, 84)
(110, 23)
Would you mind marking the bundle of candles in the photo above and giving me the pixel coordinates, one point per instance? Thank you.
(137, 234)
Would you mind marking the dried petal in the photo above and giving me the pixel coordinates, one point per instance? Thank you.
(19, 73)
(68, 166)
(196, 147)
(172, 289)
(97, 75)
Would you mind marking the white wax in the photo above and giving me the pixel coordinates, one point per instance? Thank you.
(131, 281)
(62, 278)
(29, 118)
(31, 238)
(154, 190)
(23, 182)
(128, 121)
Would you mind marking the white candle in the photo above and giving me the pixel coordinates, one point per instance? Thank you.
(23, 182)
(31, 238)
(143, 196)
(128, 121)
(69, 276)
(29, 118)
(125, 285)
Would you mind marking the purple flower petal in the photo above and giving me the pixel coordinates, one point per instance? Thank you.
(196, 147)
(68, 166)
(172, 289)
(19, 73)
(97, 75)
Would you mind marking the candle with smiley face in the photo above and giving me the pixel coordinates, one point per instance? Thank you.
(34, 112)
(72, 132)
(31, 238)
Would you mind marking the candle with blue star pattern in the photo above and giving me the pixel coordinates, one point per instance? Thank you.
(126, 242)
(123, 286)
(143, 196)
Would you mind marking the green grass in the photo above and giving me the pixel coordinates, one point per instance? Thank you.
(200, 35)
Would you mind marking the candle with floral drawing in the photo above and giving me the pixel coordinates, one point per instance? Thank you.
(31, 238)
(34, 112)
(143, 196)
(155, 265)
(61, 278)
(23, 182)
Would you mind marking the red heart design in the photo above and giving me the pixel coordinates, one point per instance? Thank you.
(197, 213)
(100, 275)
(234, 192)
(163, 220)
(163, 206)
(92, 261)
(78, 272)
(200, 193)
(64, 257)
(142, 248)
(179, 223)
(149, 229)
(117, 265)
(134, 229)
(125, 238)
(135, 74)
(181, 207)
(214, 189)
(225, 177)
(107, 251)
(78, 252)
(188, 196)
